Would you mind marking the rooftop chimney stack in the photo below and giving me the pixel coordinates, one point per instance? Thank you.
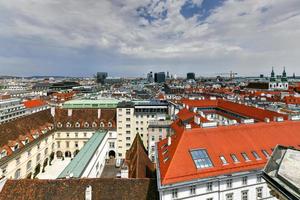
(69, 112)
(52, 110)
(99, 113)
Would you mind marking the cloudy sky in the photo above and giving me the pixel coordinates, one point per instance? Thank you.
(133, 37)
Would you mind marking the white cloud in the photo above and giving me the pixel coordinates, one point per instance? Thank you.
(235, 34)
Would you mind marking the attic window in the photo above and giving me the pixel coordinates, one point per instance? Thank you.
(59, 125)
(109, 124)
(77, 124)
(234, 158)
(3, 153)
(265, 153)
(256, 156)
(26, 141)
(68, 125)
(16, 147)
(101, 124)
(86, 124)
(94, 124)
(246, 158)
(201, 158)
(165, 151)
(166, 159)
(224, 161)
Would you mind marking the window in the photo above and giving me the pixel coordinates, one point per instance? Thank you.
(152, 138)
(3, 153)
(209, 198)
(265, 153)
(245, 195)
(209, 186)
(193, 190)
(234, 158)
(28, 166)
(160, 138)
(229, 183)
(127, 125)
(127, 119)
(76, 134)
(29, 153)
(46, 151)
(174, 193)
(246, 158)
(68, 134)
(259, 192)
(58, 144)
(84, 134)
(223, 159)
(127, 132)
(256, 156)
(128, 138)
(58, 135)
(38, 157)
(76, 144)
(111, 145)
(201, 158)
(244, 180)
(258, 178)
(229, 196)
(67, 144)
(18, 160)
(18, 174)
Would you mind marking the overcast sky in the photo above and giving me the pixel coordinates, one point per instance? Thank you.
(133, 37)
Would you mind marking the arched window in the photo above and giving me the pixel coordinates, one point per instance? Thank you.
(86, 124)
(28, 166)
(94, 124)
(38, 157)
(46, 151)
(18, 174)
(77, 125)
(109, 124)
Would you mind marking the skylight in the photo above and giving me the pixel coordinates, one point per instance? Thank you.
(265, 153)
(256, 155)
(201, 158)
(245, 156)
(234, 158)
(223, 159)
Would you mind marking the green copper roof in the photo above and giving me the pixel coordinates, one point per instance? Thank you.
(87, 103)
(82, 159)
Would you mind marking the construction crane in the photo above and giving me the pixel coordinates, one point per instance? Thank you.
(231, 74)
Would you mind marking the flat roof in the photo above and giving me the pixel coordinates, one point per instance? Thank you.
(88, 103)
(82, 159)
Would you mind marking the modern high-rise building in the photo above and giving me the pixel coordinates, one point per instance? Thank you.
(190, 76)
(101, 76)
(160, 77)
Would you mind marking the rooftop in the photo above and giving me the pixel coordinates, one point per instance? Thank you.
(87, 103)
(81, 160)
(254, 141)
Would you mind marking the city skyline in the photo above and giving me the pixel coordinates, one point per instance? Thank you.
(130, 38)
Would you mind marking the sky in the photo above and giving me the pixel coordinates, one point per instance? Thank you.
(133, 37)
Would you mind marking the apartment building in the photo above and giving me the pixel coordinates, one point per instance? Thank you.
(133, 118)
(221, 163)
(157, 131)
(11, 109)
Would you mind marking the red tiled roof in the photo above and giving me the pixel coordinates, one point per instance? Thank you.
(34, 103)
(240, 109)
(222, 141)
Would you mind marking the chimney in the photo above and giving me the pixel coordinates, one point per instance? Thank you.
(99, 113)
(169, 141)
(88, 193)
(69, 112)
(52, 110)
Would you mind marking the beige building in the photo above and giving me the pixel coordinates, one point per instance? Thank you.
(133, 118)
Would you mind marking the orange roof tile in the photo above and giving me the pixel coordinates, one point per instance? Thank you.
(34, 103)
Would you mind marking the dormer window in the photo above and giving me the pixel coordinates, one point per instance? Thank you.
(59, 125)
(35, 136)
(68, 125)
(94, 124)
(26, 141)
(77, 125)
(109, 124)
(86, 124)
(3, 153)
(16, 147)
(101, 124)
